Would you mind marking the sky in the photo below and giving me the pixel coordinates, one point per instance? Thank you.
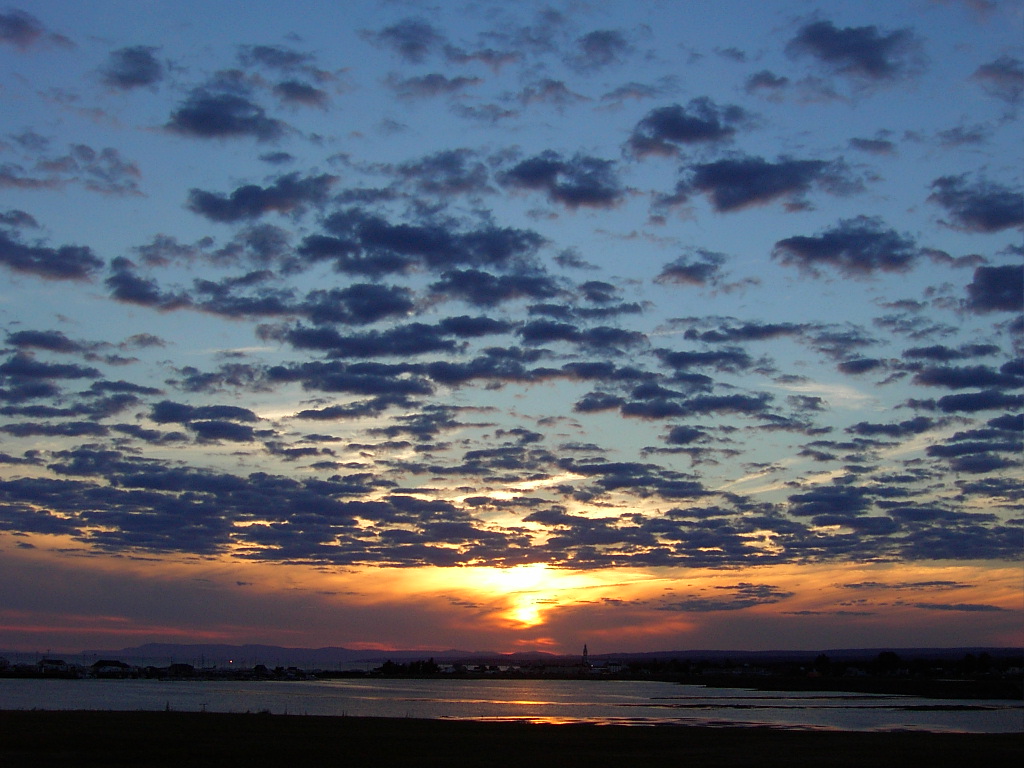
(511, 326)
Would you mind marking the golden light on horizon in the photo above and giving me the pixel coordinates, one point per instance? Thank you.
(526, 612)
(528, 588)
(522, 607)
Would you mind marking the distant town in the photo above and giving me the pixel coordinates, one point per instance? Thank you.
(940, 673)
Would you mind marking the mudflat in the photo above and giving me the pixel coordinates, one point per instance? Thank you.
(139, 739)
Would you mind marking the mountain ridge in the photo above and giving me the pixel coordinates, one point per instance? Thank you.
(328, 657)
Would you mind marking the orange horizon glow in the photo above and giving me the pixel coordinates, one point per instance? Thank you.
(504, 610)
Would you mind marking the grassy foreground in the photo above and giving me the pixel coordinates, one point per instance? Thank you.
(83, 739)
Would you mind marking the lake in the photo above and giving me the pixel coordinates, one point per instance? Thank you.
(555, 701)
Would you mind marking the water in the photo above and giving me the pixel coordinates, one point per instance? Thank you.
(554, 701)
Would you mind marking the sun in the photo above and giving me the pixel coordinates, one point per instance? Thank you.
(522, 577)
(526, 613)
(528, 590)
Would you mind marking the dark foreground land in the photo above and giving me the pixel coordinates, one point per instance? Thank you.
(141, 739)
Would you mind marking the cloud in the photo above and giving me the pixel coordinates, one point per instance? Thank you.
(1008, 422)
(446, 173)
(357, 304)
(209, 115)
(133, 67)
(468, 327)
(18, 219)
(982, 8)
(400, 341)
(277, 158)
(766, 82)
(730, 359)
(288, 194)
(981, 207)
(603, 337)
(855, 247)
(743, 595)
(965, 376)
(640, 479)
(860, 365)
(428, 86)
(701, 268)
(346, 256)
(258, 244)
(965, 136)
(580, 181)
(600, 49)
(23, 30)
(369, 378)
(127, 285)
(14, 176)
(64, 429)
(25, 366)
(548, 91)
(297, 92)
(684, 435)
(674, 406)
(911, 585)
(226, 297)
(19, 28)
(747, 331)
(873, 146)
(1002, 78)
(966, 607)
(365, 243)
(908, 427)
(165, 250)
(222, 430)
(996, 289)
(664, 131)
(861, 52)
(67, 262)
(495, 59)
(738, 183)
(978, 455)
(599, 291)
(274, 57)
(970, 402)
(209, 422)
(635, 91)
(53, 341)
(830, 500)
(412, 39)
(103, 171)
(181, 413)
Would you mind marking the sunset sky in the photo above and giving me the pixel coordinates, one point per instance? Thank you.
(511, 326)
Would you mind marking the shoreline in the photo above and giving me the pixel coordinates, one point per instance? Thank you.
(997, 688)
(42, 738)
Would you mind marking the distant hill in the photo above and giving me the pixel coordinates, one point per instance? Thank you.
(162, 654)
(157, 654)
(835, 654)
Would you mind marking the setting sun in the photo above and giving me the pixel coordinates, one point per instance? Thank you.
(527, 589)
(526, 612)
(522, 577)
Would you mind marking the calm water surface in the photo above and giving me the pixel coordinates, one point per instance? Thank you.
(626, 702)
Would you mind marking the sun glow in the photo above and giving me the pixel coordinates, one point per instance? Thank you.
(526, 612)
(521, 577)
(528, 588)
